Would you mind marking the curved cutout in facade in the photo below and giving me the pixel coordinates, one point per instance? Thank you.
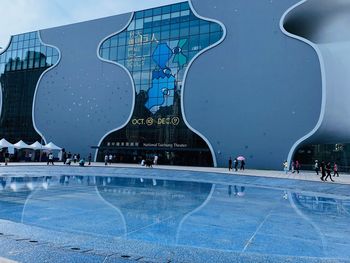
(157, 48)
(323, 25)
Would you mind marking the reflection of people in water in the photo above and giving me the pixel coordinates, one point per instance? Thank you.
(239, 190)
(3, 182)
(229, 190)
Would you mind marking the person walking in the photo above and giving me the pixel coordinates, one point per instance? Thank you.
(328, 170)
(89, 158)
(335, 170)
(293, 166)
(316, 167)
(297, 166)
(106, 159)
(242, 165)
(236, 164)
(285, 166)
(323, 170)
(230, 164)
(50, 159)
(7, 157)
(75, 158)
(110, 158)
(155, 160)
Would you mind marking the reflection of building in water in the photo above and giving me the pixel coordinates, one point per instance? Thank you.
(322, 205)
(143, 202)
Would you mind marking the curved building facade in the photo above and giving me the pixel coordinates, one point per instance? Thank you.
(194, 83)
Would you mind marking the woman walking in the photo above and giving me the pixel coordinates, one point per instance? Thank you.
(335, 170)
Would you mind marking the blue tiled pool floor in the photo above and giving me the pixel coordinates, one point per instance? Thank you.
(156, 215)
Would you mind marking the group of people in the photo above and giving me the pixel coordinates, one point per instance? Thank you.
(149, 162)
(235, 163)
(326, 170)
(295, 166)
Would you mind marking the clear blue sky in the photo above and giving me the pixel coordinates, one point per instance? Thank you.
(19, 16)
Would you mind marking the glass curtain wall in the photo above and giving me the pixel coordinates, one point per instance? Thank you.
(156, 49)
(21, 65)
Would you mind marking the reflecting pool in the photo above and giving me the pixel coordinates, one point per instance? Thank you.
(226, 217)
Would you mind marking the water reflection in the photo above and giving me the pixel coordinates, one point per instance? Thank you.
(181, 213)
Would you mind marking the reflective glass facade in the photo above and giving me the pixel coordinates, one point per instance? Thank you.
(339, 153)
(156, 49)
(21, 65)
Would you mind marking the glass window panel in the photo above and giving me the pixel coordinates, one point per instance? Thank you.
(146, 49)
(26, 36)
(121, 53)
(185, 13)
(37, 42)
(20, 44)
(175, 7)
(185, 6)
(184, 32)
(20, 54)
(214, 27)
(175, 14)
(148, 20)
(113, 53)
(204, 41)
(42, 62)
(30, 63)
(175, 33)
(121, 40)
(43, 50)
(36, 63)
(13, 65)
(32, 42)
(32, 35)
(106, 43)
(49, 60)
(49, 51)
(214, 37)
(54, 59)
(157, 18)
(204, 28)
(14, 45)
(15, 38)
(114, 41)
(148, 13)
(165, 34)
(139, 24)
(194, 43)
(165, 16)
(139, 14)
(166, 9)
(105, 53)
(20, 37)
(157, 11)
(2, 68)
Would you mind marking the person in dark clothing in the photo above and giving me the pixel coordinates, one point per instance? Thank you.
(64, 157)
(230, 164)
(236, 164)
(89, 158)
(323, 170)
(242, 165)
(328, 170)
(297, 166)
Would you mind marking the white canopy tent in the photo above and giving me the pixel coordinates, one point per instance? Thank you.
(52, 146)
(21, 145)
(5, 144)
(37, 146)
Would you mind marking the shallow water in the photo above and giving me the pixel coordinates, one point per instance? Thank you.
(233, 217)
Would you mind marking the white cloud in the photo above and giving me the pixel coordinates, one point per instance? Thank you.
(19, 16)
